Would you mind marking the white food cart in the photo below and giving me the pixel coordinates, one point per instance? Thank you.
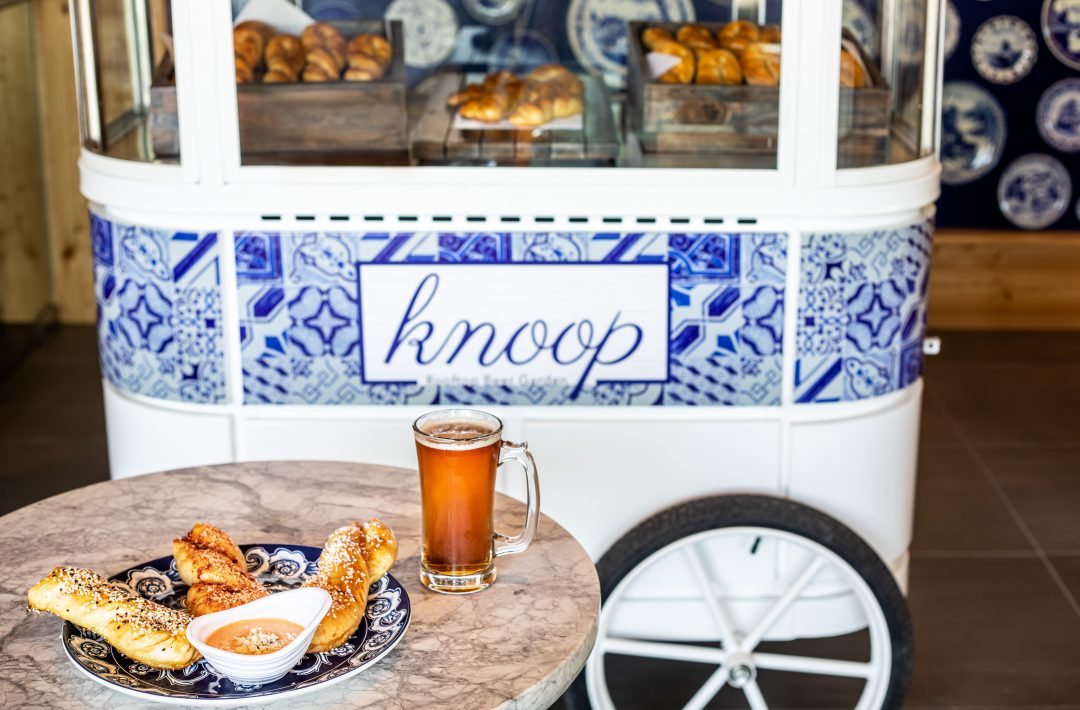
(703, 306)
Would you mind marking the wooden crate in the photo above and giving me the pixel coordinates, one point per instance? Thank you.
(707, 118)
(437, 142)
(324, 123)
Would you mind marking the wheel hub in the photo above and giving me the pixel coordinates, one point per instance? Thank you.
(740, 670)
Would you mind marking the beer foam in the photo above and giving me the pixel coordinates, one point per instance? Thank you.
(456, 435)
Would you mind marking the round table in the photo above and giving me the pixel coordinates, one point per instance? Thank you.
(518, 644)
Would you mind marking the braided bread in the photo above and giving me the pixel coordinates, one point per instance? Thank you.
(142, 630)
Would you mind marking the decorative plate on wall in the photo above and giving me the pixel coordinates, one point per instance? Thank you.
(1034, 191)
(597, 30)
(1004, 49)
(1058, 115)
(972, 132)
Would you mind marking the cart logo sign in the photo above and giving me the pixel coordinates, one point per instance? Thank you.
(514, 325)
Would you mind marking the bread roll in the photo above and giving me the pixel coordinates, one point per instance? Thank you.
(681, 73)
(142, 630)
(736, 36)
(717, 66)
(651, 35)
(761, 64)
(695, 37)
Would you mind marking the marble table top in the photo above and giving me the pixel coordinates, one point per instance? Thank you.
(518, 644)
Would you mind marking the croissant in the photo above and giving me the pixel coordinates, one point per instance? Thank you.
(244, 73)
(284, 58)
(325, 36)
(469, 93)
(363, 68)
(142, 630)
(320, 58)
(486, 108)
(373, 46)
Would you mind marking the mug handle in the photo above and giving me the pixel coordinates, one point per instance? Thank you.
(520, 454)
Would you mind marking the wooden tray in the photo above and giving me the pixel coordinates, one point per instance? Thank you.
(706, 118)
(327, 123)
(437, 142)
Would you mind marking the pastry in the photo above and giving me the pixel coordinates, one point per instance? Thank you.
(244, 73)
(469, 93)
(142, 630)
(363, 68)
(736, 36)
(681, 73)
(651, 35)
(695, 37)
(249, 40)
(372, 46)
(548, 91)
(770, 34)
(284, 58)
(210, 562)
(851, 72)
(353, 557)
(717, 66)
(325, 48)
(761, 64)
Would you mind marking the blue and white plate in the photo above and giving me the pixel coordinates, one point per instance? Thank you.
(1004, 49)
(952, 29)
(1034, 191)
(278, 567)
(1061, 30)
(1058, 115)
(597, 30)
(972, 132)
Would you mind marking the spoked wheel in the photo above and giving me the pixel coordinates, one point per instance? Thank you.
(747, 590)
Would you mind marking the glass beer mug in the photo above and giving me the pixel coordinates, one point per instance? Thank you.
(458, 452)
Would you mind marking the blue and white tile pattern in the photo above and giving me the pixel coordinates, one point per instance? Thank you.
(159, 311)
(862, 313)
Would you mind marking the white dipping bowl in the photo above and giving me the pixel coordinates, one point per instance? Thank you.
(305, 606)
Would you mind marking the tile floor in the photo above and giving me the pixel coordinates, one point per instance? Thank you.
(995, 579)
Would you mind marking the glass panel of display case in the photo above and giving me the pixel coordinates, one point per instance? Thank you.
(649, 83)
(887, 80)
(126, 79)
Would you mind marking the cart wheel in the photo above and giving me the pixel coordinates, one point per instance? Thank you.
(815, 547)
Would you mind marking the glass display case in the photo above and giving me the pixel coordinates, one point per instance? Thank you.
(569, 83)
(123, 49)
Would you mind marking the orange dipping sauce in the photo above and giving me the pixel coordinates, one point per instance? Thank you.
(255, 636)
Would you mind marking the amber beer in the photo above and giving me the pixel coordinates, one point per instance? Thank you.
(458, 452)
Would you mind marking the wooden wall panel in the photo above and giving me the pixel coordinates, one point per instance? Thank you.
(1005, 280)
(68, 225)
(24, 267)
